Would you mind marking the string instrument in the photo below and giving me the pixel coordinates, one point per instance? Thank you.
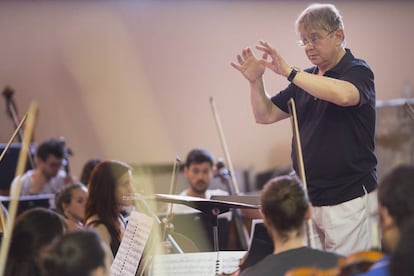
(183, 244)
(167, 223)
(142, 205)
(3, 212)
(231, 182)
(15, 192)
(298, 147)
(12, 113)
(359, 262)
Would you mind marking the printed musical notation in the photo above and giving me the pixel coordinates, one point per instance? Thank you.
(132, 245)
(203, 264)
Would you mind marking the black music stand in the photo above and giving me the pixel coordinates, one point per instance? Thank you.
(209, 207)
(29, 201)
(8, 166)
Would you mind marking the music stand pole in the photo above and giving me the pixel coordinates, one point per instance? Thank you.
(214, 213)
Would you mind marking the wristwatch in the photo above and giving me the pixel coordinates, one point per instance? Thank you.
(293, 73)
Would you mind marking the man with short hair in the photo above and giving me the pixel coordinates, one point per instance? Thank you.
(199, 172)
(48, 177)
(335, 102)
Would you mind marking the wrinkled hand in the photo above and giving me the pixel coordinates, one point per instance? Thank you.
(251, 67)
(277, 64)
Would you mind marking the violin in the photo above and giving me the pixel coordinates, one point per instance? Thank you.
(359, 262)
(238, 224)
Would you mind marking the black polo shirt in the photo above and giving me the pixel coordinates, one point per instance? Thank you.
(337, 142)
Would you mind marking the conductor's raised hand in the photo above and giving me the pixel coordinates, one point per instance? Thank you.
(251, 67)
(276, 63)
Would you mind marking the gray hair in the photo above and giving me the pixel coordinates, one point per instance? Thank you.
(319, 17)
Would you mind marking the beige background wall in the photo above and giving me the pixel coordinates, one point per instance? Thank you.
(131, 80)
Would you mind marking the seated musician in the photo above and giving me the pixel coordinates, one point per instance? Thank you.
(199, 172)
(395, 206)
(78, 253)
(109, 183)
(285, 209)
(70, 203)
(33, 233)
(48, 177)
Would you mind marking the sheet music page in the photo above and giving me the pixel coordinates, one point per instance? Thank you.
(190, 264)
(132, 245)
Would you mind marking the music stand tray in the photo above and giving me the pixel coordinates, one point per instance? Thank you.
(208, 206)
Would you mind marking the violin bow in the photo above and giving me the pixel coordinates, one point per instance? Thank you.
(16, 131)
(241, 229)
(173, 184)
(12, 112)
(224, 146)
(6, 148)
(15, 191)
(296, 137)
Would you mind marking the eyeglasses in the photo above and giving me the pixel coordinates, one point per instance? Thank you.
(314, 39)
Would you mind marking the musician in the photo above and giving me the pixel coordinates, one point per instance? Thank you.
(335, 102)
(198, 171)
(285, 210)
(78, 253)
(395, 207)
(70, 203)
(197, 226)
(48, 177)
(109, 183)
(87, 170)
(33, 232)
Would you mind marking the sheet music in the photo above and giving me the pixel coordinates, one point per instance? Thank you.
(132, 245)
(190, 264)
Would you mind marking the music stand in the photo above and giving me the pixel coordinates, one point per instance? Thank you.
(209, 207)
(8, 166)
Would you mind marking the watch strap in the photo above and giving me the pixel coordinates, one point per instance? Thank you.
(292, 74)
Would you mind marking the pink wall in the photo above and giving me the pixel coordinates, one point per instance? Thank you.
(131, 80)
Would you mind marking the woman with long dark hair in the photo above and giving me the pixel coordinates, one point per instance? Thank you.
(109, 183)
